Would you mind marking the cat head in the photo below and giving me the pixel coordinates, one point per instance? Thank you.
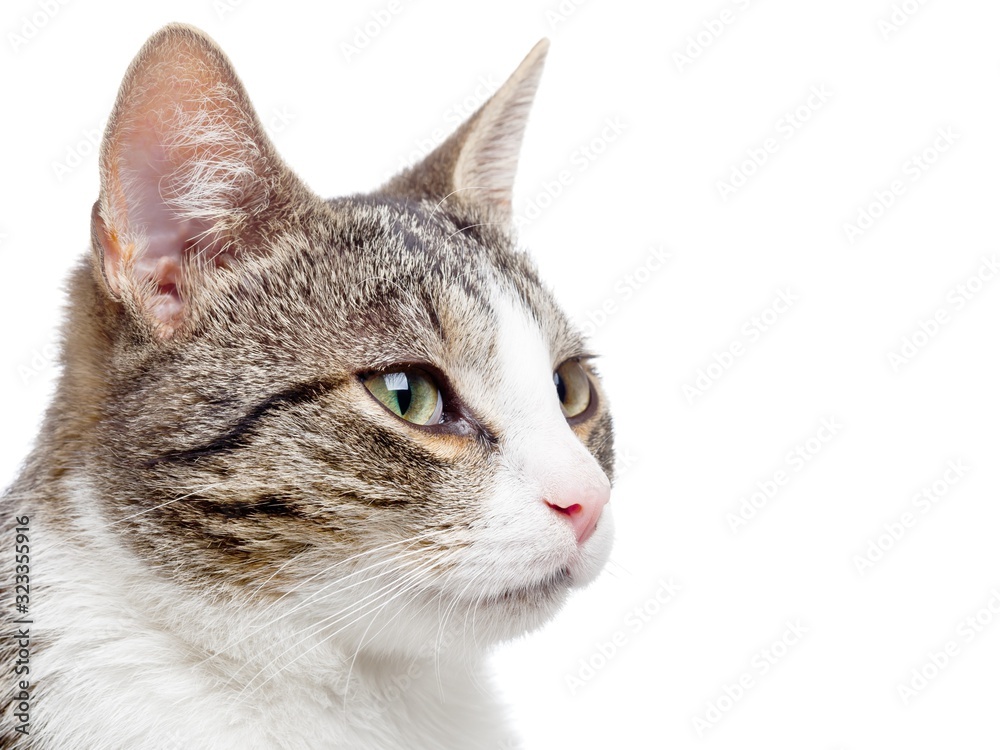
(368, 409)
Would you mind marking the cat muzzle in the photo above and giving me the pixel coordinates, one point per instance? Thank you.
(582, 507)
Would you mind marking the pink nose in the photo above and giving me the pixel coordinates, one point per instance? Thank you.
(582, 507)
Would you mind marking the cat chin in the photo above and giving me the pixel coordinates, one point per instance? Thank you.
(519, 609)
(515, 612)
(473, 623)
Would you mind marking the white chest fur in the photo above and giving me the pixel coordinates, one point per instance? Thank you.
(125, 660)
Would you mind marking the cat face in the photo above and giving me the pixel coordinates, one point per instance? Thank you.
(367, 409)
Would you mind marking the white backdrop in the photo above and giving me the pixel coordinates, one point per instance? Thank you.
(778, 220)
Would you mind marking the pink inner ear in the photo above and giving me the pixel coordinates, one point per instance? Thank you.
(184, 165)
(170, 241)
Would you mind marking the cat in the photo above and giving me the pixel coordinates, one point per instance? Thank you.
(307, 459)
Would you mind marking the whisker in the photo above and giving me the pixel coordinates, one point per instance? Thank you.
(356, 605)
(470, 226)
(277, 570)
(363, 553)
(62, 540)
(442, 623)
(458, 190)
(361, 643)
(403, 583)
(315, 596)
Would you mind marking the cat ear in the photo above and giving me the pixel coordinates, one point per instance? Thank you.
(186, 168)
(478, 163)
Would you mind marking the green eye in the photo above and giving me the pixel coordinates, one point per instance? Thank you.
(573, 387)
(410, 394)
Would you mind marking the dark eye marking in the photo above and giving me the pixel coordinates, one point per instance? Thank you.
(238, 435)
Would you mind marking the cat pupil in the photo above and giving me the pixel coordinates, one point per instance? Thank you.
(399, 384)
(560, 386)
(403, 397)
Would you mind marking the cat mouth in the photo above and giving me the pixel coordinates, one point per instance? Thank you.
(536, 592)
(539, 593)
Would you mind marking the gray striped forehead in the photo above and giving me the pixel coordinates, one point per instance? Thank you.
(403, 279)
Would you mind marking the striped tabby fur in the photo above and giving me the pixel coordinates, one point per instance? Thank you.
(234, 545)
